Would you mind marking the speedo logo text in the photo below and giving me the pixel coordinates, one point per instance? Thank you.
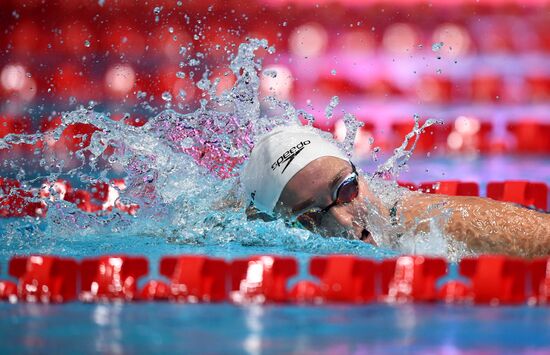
(289, 155)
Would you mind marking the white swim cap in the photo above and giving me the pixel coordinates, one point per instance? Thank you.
(277, 157)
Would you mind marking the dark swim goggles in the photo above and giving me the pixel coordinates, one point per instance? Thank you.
(345, 192)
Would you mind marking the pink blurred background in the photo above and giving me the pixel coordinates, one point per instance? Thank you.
(483, 67)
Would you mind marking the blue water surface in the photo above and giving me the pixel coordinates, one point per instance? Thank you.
(223, 328)
(216, 329)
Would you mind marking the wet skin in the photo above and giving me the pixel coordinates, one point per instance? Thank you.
(314, 187)
(482, 224)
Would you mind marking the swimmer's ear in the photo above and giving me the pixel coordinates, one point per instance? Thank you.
(253, 213)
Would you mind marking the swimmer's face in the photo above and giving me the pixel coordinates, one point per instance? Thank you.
(314, 187)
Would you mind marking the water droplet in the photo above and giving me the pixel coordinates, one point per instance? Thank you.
(438, 71)
(157, 10)
(166, 96)
(203, 84)
(333, 72)
(180, 75)
(87, 43)
(334, 101)
(437, 46)
(182, 94)
(270, 73)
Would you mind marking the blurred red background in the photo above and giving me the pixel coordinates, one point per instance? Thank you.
(483, 67)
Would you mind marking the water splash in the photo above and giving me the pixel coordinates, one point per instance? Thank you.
(436, 47)
(424, 236)
(392, 167)
(334, 101)
(181, 170)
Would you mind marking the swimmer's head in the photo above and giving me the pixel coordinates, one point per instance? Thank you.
(277, 157)
(294, 172)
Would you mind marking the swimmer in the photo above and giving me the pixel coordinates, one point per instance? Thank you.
(295, 174)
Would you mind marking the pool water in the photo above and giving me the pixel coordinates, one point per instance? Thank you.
(171, 167)
(154, 246)
(225, 328)
(214, 329)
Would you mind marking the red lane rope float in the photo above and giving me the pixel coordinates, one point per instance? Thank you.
(8, 291)
(522, 192)
(261, 279)
(411, 278)
(540, 281)
(489, 279)
(455, 291)
(18, 202)
(111, 277)
(45, 278)
(530, 194)
(192, 279)
(496, 279)
(451, 187)
(343, 279)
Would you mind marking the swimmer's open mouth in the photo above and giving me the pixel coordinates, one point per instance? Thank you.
(367, 237)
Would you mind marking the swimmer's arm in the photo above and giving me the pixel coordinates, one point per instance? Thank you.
(484, 225)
